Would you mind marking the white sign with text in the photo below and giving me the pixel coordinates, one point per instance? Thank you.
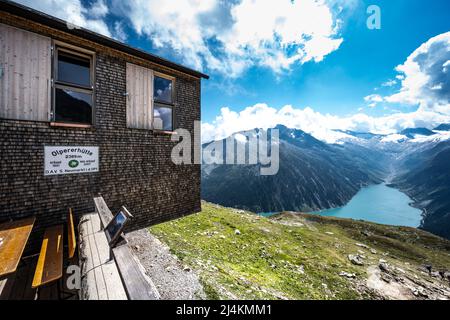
(67, 160)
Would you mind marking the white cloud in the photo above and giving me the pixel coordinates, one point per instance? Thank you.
(445, 66)
(373, 98)
(318, 124)
(98, 9)
(389, 83)
(223, 36)
(119, 32)
(74, 12)
(230, 37)
(425, 76)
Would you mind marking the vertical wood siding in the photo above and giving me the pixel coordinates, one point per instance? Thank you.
(140, 97)
(25, 60)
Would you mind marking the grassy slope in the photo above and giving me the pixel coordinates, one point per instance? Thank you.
(291, 256)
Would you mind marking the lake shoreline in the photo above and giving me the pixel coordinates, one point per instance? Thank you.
(382, 203)
(415, 202)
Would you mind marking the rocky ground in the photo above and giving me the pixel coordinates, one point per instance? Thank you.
(223, 253)
(173, 279)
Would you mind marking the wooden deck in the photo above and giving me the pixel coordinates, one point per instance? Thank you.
(17, 286)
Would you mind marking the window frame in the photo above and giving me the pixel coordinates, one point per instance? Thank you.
(163, 104)
(57, 47)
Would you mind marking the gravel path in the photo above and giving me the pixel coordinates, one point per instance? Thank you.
(173, 280)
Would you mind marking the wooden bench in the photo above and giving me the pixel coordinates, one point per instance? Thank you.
(50, 263)
(49, 267)
(137, 284)
(100, 277)
(103, 211)
(110, 273)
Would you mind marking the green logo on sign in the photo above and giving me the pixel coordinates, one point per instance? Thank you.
(73, 163)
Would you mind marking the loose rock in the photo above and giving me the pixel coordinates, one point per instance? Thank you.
(383, 266)
(347, 275)
(356, 259)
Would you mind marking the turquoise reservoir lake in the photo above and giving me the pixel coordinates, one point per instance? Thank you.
(380, 204)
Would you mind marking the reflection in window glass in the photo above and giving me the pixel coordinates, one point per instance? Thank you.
(74, 69)
(72, 106)
(162, 89)
(162, 118)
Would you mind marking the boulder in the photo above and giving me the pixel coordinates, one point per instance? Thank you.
(356, 259)
(383, 266)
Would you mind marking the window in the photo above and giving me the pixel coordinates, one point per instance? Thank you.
(163, 96)
(73, 93)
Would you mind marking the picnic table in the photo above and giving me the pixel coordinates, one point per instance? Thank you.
(13, 238)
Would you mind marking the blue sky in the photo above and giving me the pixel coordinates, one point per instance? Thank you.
(319, 57)
(338, 85)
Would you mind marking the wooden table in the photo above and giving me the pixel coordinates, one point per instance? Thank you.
(13, 238)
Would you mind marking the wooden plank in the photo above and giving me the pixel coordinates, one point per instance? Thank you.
(26, 64)
(109, 272)
(137, 284)
(150, 99)
(72, 243)
(88, 291)
(50, 262)
(96, 262)
(100, 276)
(128, 97)
(103, 211)
(93, 292)
(13, 238)
(138, 94)
(139, 82)
(145, 94)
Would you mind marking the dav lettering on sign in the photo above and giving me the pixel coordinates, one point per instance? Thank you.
(67, 160)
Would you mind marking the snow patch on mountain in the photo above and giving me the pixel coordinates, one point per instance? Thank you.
(439, 136)
(395, 137)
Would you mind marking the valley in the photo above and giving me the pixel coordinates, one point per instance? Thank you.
(316, 175)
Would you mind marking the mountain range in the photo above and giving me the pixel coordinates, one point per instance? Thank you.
(315, 175)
